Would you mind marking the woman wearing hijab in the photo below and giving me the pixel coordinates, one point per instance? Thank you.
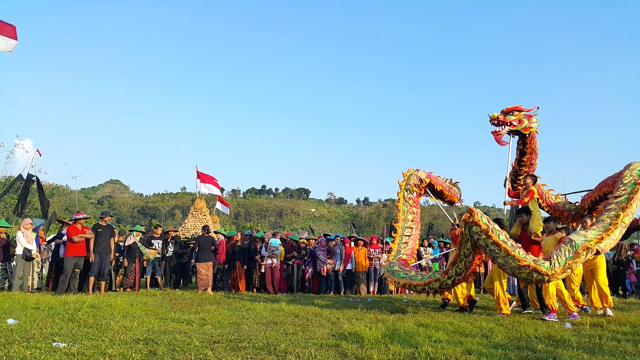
(25, 240)
(435, 249)
(132, 260)
(374, 253)
(205, 248)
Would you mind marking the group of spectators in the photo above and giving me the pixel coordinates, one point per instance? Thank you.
(98, 259)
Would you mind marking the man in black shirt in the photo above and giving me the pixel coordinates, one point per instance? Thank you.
(155, 241)
(169, 258)
(101, 251)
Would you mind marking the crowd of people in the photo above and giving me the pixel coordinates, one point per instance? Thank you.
(81, 259)
(98, 259)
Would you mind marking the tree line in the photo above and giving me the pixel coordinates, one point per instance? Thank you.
(287, 209)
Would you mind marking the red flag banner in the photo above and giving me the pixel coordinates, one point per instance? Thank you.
(208, 184)
(8, 37)
(222, 205)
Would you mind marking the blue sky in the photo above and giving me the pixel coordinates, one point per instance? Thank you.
(334, 96)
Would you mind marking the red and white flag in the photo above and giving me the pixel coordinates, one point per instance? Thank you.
(222, 205)
(207, 184)
(8, 37)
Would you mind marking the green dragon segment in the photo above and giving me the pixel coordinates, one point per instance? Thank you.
(614, 203)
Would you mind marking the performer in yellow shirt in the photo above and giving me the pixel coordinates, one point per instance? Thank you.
(555, 290)
(527, 196)
(595, 275)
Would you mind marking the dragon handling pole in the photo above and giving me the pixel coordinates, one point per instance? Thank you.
(506, 188)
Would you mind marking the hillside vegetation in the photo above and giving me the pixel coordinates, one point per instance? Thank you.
(286, 209)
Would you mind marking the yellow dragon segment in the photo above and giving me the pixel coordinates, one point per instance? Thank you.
(614, 202)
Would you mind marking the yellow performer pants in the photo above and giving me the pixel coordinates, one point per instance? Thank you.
(446, 295)
(595, 275)
(555, 291)
(464, 291)
(573, 287)
(496, 285)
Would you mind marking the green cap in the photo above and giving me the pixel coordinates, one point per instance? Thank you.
(4, 224)
(137, 228)
(259, 234)
(231, 233)
(294, 237)
(220, 231)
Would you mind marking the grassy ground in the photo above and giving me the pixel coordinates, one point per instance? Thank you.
(186, 325)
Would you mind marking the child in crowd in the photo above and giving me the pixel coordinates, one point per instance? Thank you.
(274, 246)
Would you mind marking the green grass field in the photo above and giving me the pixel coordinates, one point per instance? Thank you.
(187, 325)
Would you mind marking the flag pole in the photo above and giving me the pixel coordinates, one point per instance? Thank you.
(196, 180)
(506, 188)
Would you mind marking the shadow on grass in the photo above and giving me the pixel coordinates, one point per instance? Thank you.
(383, 303)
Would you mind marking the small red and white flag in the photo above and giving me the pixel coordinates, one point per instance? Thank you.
(8, 37)
(207, 183)
(222, 205)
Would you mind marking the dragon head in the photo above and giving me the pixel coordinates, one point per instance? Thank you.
(514, 120)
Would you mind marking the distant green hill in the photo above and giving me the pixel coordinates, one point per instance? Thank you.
(273, 210)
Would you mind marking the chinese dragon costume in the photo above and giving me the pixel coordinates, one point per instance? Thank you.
(613, 202)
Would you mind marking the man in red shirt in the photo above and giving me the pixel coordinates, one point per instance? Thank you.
(75, 252)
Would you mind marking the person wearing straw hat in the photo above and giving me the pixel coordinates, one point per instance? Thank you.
(230, 238)
(75, 252)
(338, 266)
(132, 259)
(294, 256)
(303, 256)
(253, 277)
(219, 259)
(169, 258)
(5, 256)
(361, 257)
(101, 251)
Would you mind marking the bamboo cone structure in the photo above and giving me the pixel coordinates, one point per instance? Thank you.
(199, 216)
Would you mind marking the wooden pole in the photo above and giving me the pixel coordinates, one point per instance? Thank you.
(506, 188)
(432, 256)
(441, 208)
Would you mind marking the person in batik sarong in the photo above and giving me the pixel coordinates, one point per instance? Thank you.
(205, 247)
(132, 260)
